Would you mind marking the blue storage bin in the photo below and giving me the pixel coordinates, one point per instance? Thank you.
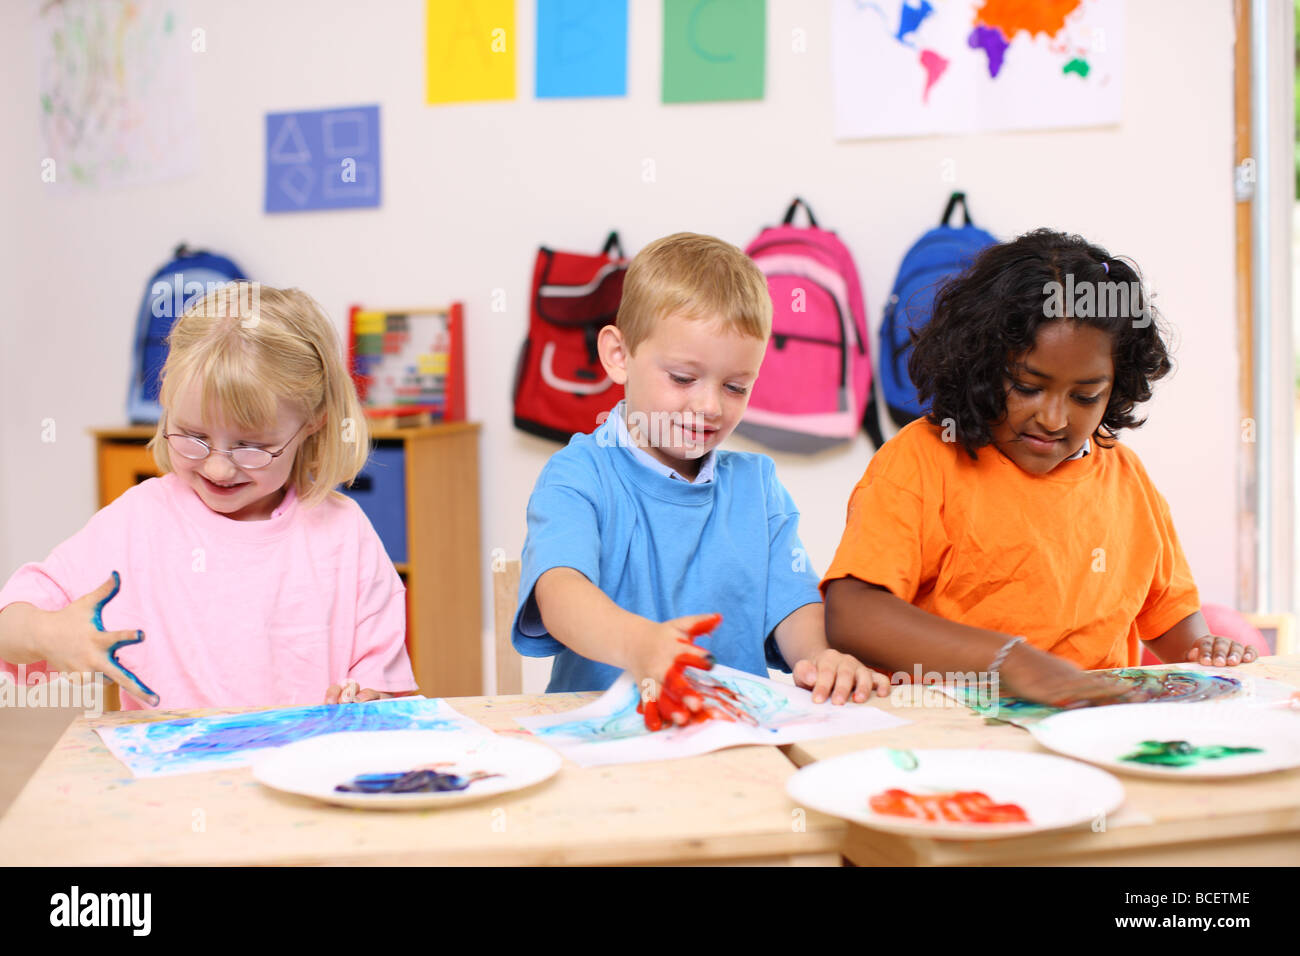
(380, 490)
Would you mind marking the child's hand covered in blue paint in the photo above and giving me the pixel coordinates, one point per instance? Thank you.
(350, 692)
(73, 641)
(838, 677)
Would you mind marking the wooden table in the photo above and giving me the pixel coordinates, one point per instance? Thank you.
(1246, 820)
(83, 808)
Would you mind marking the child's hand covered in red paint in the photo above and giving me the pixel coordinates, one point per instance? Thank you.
(350, 692)
(837, 676)
(666, 695)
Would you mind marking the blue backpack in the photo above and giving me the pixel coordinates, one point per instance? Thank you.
(941, 254)
(173, 288)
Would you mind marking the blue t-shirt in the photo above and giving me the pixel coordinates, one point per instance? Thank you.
(663, 549)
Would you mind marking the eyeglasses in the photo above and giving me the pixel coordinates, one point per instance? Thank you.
(195, 449)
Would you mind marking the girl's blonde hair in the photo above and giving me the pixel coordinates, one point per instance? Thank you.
(249, 346)
(697, 277)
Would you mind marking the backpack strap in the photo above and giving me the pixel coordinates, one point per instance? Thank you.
(612, 243)
(789, 213)
(953, 200)
(871, 420)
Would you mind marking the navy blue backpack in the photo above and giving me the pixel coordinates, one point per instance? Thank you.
(172, 289)
(939, 255)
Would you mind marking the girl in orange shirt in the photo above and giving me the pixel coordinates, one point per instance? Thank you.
(1007, 531)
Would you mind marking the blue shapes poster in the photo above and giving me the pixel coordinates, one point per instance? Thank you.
(581, 48)
(323, 159)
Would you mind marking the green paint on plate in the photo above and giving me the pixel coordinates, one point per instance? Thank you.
(1179, 753)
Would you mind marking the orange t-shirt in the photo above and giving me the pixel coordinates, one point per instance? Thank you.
(1083, 561)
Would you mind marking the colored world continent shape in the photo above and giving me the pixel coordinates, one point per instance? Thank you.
(1032, 16)
(934, 66)
(994, 45)
(998, 21)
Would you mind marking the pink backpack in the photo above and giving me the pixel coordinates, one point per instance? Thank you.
(815, 384)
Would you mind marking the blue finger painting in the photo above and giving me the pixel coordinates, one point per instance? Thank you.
(194, 744)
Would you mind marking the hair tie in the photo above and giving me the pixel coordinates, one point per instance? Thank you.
(1106, 266)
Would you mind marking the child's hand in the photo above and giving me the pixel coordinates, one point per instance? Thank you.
(73, 641)
(350, 692)
(839, 676)
(1044, 678)
(1221, 651)
(651, 666)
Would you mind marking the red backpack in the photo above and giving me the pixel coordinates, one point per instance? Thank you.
(560, 386)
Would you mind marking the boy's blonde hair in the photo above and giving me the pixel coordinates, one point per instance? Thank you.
(249, 346)
(697, 277)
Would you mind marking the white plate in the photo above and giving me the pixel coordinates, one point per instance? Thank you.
(314, 767)
(1104, 735)
(1054, 792)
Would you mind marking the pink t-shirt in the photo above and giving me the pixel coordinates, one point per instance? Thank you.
(234, 613)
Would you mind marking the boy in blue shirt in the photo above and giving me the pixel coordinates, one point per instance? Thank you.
(646, 520)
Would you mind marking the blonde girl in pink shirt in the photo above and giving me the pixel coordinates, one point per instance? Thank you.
(240, 576)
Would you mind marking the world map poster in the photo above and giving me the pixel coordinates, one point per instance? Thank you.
(921, 67)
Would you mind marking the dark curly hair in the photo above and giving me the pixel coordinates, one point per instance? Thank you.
(990, 314)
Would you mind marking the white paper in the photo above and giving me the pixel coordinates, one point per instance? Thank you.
(610, 730)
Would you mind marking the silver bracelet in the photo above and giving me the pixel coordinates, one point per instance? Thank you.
(1001, 657)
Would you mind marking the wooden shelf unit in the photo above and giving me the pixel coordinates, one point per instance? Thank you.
(444, 623)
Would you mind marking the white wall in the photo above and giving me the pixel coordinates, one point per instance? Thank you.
(470, 191)
(1277, 202)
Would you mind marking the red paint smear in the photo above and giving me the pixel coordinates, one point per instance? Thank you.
(679, 689)
(1032, 16)
(934, 66)
(967, 806)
